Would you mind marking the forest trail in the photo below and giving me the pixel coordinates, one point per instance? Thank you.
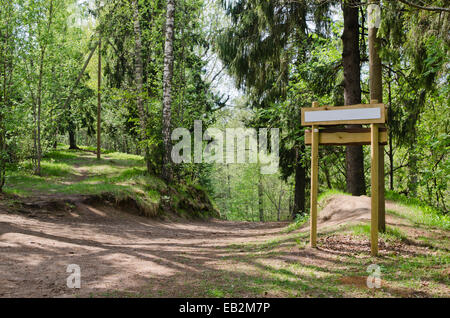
(115, 250)
(84, 211)
(122, 254)
(136, 137)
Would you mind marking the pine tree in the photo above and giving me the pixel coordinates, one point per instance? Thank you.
(352, 93)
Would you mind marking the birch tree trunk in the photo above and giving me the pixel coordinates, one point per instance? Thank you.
(39, 92)
(7, 63)
(99, 98)
(3, 98)
(167, 90)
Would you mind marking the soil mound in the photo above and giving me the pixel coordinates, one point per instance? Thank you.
(340, 209)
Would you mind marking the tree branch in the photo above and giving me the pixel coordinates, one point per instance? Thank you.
(417, 6)
(69, 98)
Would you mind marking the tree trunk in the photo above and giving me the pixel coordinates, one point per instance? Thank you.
(352, 94)
(299, 195)
(80, 75)
(260, 196)
(167, 90)
(72, 137)
(39, 94)
(327, 177)
(38, 116)
(228, 200)
(376, 93)
(71, 129)
(280, 198)
(4, 98)
(99, 98)
(412, 173)
(138, 74)
(3, 161)
(290, 205)
(4, 102)
(391, 148)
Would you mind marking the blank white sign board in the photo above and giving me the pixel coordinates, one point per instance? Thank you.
(344, 114)
(337, 115)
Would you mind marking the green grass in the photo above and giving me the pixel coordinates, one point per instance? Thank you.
(94, 149)
(62, 154)
(391, 234)
(79, 172)
(265, 273)
(299, 221)
(216, 293)
(256, 274)
(329, 193)
(418, 212)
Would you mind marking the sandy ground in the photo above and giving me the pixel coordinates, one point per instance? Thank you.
(115, 250)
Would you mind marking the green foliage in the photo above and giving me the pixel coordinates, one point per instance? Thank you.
(234, 187)
(192, 98)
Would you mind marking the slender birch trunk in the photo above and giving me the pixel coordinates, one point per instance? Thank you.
(167, 88)
(99, 98)
(39, 93)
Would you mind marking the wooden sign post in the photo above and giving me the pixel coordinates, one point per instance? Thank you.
(314, 180)
(373, 114)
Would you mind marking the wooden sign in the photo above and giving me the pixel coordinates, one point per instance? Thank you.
(339, 115)
(345, 136)
(375, 136)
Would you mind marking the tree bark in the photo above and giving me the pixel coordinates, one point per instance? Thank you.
(72, 136)
(412, 175)
(38, 115)
(227, 202)
(327, 177)
(99, 98)
(86, 63)
(71, 129)
(7, 63)
(280, 198)
(39, 94)
(138, 74)
(299, 191)
(376, 93)
(391, 148)
(352, 94)
(167, 90)
(260, 196)
(290, 203)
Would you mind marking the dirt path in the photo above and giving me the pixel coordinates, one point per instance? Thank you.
(115, 250)
(122, 254)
